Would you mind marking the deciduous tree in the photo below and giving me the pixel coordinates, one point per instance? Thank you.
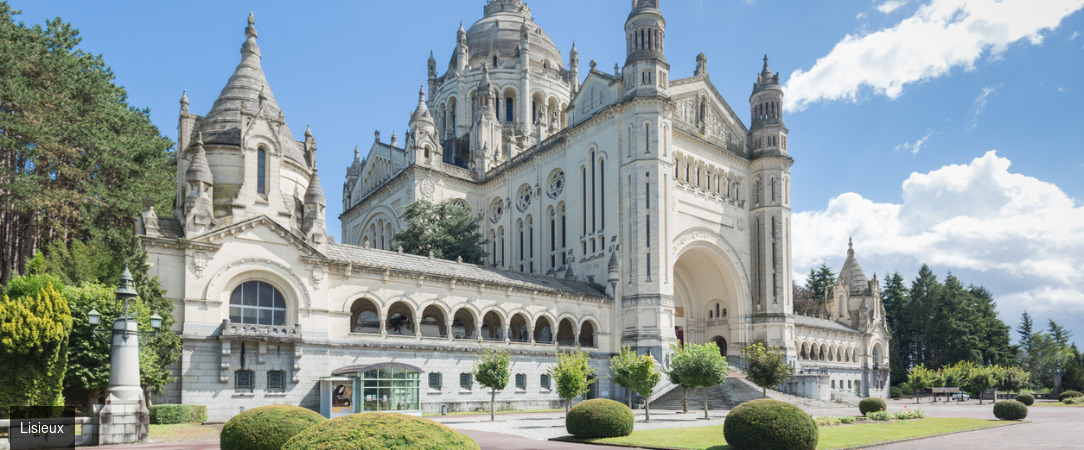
(699, 366)
(492, 369)
(34, 333)
(643, 377)
(572, 375)
(621, 366)
(766, 367)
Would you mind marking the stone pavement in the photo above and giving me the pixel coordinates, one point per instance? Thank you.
(1047, 427)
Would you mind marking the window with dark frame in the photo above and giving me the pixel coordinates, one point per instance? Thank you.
(521, 381)
(435, 381)
(544, 382)
(243, 380)
(276, 381)
(465, 380)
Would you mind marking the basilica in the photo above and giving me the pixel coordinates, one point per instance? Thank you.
(624, 207)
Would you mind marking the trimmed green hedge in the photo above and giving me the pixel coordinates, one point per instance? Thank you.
(266, 427)
(1010, 410)
(167, 414)
(895, 392)
(871, 404)
(377, 430)
(770, 424)
(1068, 394)
(1026, 399)
(599, 418)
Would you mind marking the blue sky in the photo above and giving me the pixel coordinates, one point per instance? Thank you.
(937, 131)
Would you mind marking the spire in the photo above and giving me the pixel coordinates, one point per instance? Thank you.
(421, 113)
(766, 79)
(574, 54)
(314, 194)
(308, 131)
(485, 85)
(184, 101)
(199, 169)
(356, 154)
(765, 70)
(850, 247)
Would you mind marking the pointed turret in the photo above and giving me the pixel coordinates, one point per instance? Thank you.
(421, 116)
(769, 134)
(199, 186)
(574, 69)
(314, 224)
(184, 102)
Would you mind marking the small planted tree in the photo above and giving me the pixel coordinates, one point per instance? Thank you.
(980, 380)
(620, 368)
(766, 367)
(699, 366)
(1013, 379)
(571, 375)
(642, 378)
(919, 379)
(675, 378)
(492, 369)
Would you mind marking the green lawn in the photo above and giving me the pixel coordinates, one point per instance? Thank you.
(830, 437)
(183, 432)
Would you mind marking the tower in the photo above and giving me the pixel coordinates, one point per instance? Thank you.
(199, 191)
(313, 221)
(422, 137)
(574, 69)
(646, 71)
(770, 210)
(485, 133)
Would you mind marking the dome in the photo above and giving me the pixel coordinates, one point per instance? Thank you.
(500, 31)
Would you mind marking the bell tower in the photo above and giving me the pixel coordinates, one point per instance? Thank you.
(646, 71)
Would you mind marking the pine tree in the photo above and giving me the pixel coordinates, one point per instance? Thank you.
(76, 160)
(895, 298)
(924, 291)
(1060, 334)
(446, 229)
(1027, 343)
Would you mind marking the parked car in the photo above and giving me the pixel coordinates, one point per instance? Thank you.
(961, 396)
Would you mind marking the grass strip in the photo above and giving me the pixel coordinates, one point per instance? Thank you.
(177, 432)
(843, 436)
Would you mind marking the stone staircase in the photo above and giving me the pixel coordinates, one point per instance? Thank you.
(736, 390)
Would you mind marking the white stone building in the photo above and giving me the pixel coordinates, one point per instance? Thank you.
(634, 208)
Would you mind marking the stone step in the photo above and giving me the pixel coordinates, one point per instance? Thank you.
(740, 390)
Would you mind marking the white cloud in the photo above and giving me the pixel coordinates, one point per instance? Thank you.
(940, 36)
(979, 105)
(1021, 237)
(914, 147)
(1075, 35)
(891, 5)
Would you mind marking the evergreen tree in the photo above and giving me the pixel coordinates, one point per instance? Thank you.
(34, 333)
(1026, 332)
(994, 341)
(446, 229)
(76, 161)
(1060, 334)
(817, 282)
(895, 298)
(924, 292)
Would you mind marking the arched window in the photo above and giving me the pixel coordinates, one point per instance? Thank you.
(364, 317)
(509, 109)
(243, 380)
(276, 381)
(261, 171)
(257, 302)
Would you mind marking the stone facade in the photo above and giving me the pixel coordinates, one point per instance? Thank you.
(630, 209)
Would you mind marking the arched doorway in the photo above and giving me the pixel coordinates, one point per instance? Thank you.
(708, 296)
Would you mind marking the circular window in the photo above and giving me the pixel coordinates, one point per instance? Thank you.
(460, 203)
(556, 183)
(496, 209)
(525, 197)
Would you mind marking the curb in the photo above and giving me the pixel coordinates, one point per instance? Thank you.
(878, 444)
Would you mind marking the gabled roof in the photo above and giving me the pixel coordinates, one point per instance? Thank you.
(462, 271)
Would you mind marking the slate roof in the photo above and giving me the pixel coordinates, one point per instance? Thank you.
(807, 321)
(170, 227)
(463, 271)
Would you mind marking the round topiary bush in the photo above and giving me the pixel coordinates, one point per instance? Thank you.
(895, 392)
(769, 424)
(871, 404)
(599, 418)
(266, 427)
(1010, 410)
(1026, 399)
(1067, 394)
(378, 430)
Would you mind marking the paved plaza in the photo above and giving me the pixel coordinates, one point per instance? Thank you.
(1046, 427)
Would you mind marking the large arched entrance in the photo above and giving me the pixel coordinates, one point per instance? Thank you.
(708, 297)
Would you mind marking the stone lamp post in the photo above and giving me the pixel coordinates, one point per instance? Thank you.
(124, 418)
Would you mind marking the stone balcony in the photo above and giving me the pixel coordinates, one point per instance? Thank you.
(254, 332)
